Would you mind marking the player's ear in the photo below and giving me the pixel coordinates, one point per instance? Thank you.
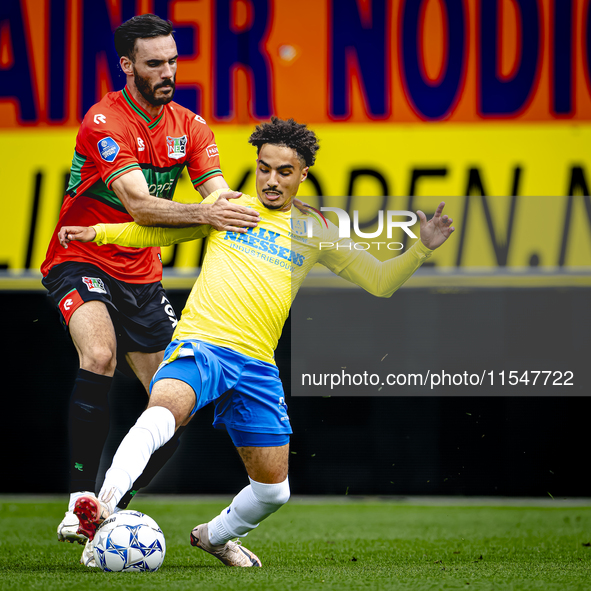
(304, 174)
(126, 65)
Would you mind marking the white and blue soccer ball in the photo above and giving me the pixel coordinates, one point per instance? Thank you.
(129, 541)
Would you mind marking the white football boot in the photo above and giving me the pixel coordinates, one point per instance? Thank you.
(87, 558)
(67, 530)
(230, 553)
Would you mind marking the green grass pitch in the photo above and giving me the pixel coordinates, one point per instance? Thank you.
(309, 545)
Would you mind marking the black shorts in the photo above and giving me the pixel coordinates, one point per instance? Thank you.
(143, 318)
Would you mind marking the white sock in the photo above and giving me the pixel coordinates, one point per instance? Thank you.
(152, 430)
(248, 508)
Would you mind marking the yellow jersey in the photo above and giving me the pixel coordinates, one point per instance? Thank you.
(248, 281)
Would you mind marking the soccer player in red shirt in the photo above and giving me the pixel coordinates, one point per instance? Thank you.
(130, 152)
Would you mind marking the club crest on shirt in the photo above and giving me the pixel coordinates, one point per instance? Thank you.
(298, 227)
(94, 284)
(177, 146)
(108, 149)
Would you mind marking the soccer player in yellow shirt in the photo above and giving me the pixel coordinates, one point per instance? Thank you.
(222, 349)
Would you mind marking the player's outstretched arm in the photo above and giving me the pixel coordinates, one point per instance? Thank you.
(437, 230)
(131, 234)
(146, 210)
(384, 278)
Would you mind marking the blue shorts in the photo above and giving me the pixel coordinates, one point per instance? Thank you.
(247, 393)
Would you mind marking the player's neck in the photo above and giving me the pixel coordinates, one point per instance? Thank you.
(152, 110)
(285, 208)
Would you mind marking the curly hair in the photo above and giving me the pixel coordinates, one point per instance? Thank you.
(287, 133)
(143, 26)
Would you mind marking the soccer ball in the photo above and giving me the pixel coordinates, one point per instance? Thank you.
(129, 541)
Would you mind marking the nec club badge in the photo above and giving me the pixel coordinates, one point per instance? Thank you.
(94, 284)
(108, 149)
(177, 146)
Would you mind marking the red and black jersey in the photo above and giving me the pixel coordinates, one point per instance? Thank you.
(116, 137)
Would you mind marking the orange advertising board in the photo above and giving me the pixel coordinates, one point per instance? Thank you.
(318, 61)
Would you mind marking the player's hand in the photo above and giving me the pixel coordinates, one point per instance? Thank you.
(69, 234)
(437, 230)
(224, 215)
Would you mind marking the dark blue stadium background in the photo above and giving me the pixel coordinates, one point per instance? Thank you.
(506, 445)
(511, 445)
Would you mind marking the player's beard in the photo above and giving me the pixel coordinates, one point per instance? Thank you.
(278, 207)
(270, 206)
(149, 92)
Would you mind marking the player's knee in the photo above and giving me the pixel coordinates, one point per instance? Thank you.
(100, 359)
(274, 495)
(174, 395)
